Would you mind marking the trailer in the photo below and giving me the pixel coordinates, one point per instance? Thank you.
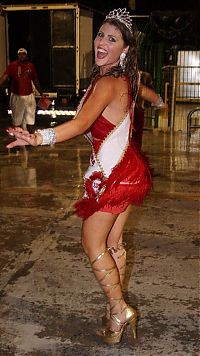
(59, 40)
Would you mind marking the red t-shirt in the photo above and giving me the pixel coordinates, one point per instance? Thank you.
(22, 74)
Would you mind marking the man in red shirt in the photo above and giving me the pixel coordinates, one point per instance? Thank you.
(22, 100)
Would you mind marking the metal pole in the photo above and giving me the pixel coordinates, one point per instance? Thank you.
(172, 99)
(158, 74)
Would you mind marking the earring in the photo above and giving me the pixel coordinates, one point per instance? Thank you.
(122, 60)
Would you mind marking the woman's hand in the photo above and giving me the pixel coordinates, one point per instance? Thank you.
(23, 137)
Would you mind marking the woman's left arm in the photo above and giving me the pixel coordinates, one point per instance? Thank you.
(151, 96)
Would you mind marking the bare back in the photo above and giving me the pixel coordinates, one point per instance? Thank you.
(119, 106)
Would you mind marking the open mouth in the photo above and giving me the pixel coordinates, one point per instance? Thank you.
(101, 53)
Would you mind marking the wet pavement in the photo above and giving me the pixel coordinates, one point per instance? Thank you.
(51, 304)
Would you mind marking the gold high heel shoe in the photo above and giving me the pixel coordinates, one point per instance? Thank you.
(114, 337)
(108, 287)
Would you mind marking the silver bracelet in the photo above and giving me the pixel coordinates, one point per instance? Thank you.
(158, 104)
(48, 136)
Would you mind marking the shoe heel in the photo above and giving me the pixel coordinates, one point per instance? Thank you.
(132, 325)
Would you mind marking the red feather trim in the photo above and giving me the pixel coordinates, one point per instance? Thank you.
(129, 182)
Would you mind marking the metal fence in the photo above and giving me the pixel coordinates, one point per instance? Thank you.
(181, 92)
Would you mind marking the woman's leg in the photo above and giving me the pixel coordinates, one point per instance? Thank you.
(118, 252)
(115, 243)
(94, 238)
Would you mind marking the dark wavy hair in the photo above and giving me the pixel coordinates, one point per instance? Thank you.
(131, 63)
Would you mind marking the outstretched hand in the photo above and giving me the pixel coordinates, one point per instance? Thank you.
(23, 137)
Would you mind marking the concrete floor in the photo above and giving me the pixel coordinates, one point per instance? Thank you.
(50, 302)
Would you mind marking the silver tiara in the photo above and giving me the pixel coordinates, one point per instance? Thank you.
(122, 16)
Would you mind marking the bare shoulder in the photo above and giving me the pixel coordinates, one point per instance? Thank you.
(109, 87)
(107, 82)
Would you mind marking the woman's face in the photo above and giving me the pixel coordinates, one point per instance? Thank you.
(108, 45)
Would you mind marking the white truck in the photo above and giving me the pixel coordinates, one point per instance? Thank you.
(59, 40)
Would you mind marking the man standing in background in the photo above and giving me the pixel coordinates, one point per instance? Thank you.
(22, 100)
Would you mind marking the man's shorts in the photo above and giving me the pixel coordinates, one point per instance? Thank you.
(23, 109)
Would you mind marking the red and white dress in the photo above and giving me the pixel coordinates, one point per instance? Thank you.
(118, 174)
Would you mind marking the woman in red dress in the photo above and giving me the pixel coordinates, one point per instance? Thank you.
(118, 175)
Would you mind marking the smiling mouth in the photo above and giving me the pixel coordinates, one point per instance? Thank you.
(101, 53)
